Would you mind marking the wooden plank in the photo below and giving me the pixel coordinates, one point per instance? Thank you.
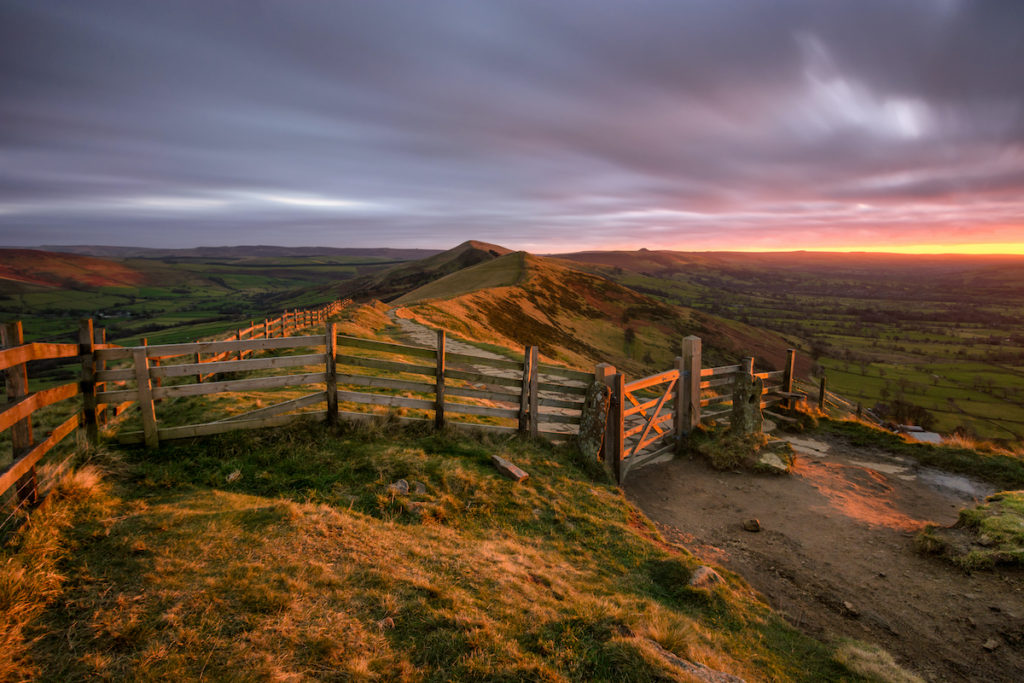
(377, 364)
(250, 384)
(534, 408)
(366, 417)
(439, 381)
(386, 400)
(524, 393)
(775, 374)
(467, 409)
(16, 379)
(331, 335)
(117, 396)
(692, 358)
(469, 392)
(721, 382)
(23, 408)
(722, 370)
(615, 435)
(784, 418)
(659, 420)
(567, 373)
(23, 353)
(480, 360)
(561, 389)
(24, 463)
(400, 384)
(724, 398)
(187, 369)
(389, 347)
(481, 378)
(192, 431)
(638, 407)
(562, 419)
(235, 345)
(660, 378)
(640, 459)
(279, 408)
(654, 439)
(714, 414)
(559, 403)
(145, 394)
(115, 375)
(114, 353)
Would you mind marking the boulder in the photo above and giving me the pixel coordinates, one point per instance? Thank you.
(399, 488)
(705, 577)
(746, 405)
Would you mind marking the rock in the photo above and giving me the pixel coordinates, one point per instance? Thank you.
(752, 524)
(234, 476)
(386, 624)
(985, 541)
(850, 610)
(991, 644)
(508, 468)
(592, 420)
(746, 405)
(692, 669)
(772, 462)
(399, 488)
(705, 577)
(418, 487)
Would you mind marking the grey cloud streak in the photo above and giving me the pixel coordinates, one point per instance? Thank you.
(531, 123)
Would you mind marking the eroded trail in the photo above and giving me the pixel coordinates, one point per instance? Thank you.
(836, 554)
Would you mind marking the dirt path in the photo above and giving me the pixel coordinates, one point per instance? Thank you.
(836, 554)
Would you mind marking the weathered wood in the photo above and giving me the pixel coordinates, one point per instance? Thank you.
(680, 423)
(603, 373)
(657, 419)
(216, 347)
(559, 418)
(373, 345)
(642, 444)
(117, 375)
(469, 392)
(822, 391)
(690, 402)
(439, 379)
(481, 378)
(508, 469)
(562, 389)
(468, 409)
(774, 374)
(660, 378)
(23, 353)
(360, 361)
(280, 408)
(638, 407)
(25, 462)
(534, 408)
(644, 426)
(18, 413)
(239, 365)
(480, 360)
(385, 400)
(249, 384)
(544, 402)
(145, 394)
(788, 374)
(400, 384)
(714, 400)
(777, 416)
(721, 370)
(524, 393)
(567, 373)
(720, 382)
(18, 416)
(206, 429)
(331, 334)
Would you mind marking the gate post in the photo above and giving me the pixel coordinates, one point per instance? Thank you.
(603, 375)
(787, 378)
(16, 378)
(690, 403)
(616, 429)
(87, 383)
(439, 379)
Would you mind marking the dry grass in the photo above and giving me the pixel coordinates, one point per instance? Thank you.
(284, 556)
(874, 663)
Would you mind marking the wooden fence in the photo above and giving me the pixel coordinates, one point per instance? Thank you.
(649, 415)
(20, 488)
(529, 397)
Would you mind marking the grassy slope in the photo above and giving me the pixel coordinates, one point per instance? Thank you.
(579, 318)
(283, 555)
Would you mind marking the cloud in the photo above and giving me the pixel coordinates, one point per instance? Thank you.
(663, 122)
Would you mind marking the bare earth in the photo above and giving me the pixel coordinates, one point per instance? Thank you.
(836, 554)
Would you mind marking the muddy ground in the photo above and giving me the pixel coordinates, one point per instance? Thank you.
(836, 554)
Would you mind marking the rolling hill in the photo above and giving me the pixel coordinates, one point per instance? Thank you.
(70, 271)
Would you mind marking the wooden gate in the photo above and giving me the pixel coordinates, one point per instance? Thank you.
(644, 420)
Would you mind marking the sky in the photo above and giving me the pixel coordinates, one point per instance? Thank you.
(550, 126)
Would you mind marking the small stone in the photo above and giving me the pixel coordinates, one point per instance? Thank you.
(705, 577)
(991, 644)
(985, 541)
(419, 487)
(881, 575)
(386, 624)
(752, 525)
(850, 609)
(234, 476)
(773, 462)
(508, 468)
(399, 488)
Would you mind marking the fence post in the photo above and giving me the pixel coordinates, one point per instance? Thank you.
(16, 378)
(616, 431)
(691, 398)
(681, 386)
(266, 328)
(241, 352)
(99, 336)
(199, 375)
(822, 389)
(439, 379)
(332, 373)
(87, 383)
(602, 374)
(787, 377)
(534, 419)
(524, 393)
(145, 389)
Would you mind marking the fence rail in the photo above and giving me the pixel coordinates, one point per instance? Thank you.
(103, 389)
